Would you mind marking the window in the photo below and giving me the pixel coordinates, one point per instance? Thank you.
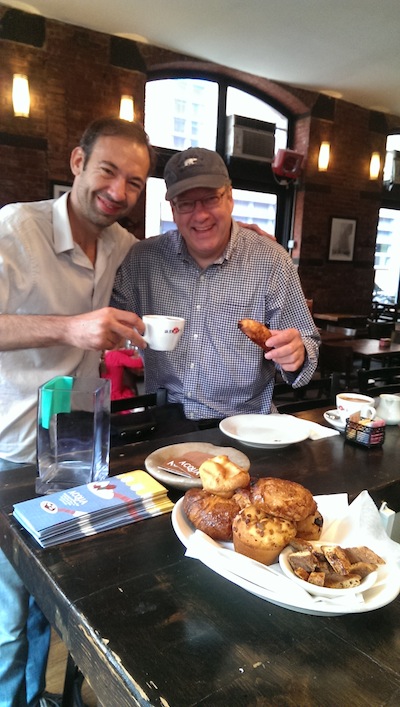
(190, 112)
(241, 103)
(387, 257)
(167, 100)
(387, 248)
(250, 207)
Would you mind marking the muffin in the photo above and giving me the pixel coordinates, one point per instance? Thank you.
(311, 527)
(282, 498)
(261, 536)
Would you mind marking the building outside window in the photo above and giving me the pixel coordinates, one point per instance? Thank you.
(387, 249)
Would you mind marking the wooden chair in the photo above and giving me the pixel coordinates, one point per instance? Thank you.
(378, 330)
(319, 392)
(379, 380)
(132, 419)
(346, 332)
(338, 359)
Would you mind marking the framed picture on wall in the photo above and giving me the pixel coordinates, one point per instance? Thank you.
(59, 188)
(341, 244)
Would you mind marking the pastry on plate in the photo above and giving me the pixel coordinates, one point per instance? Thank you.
(221, 476)
(286, 499)
(260, 535)
(210, 513)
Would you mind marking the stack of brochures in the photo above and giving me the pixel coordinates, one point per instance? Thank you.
(89, 509)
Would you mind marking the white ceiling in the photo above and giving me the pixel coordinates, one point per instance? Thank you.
(349, 49)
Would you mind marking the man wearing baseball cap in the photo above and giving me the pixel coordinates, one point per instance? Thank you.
(213, 272)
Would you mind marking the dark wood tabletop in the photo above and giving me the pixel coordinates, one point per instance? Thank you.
(371, 348)
(148, 626)
(342, 318)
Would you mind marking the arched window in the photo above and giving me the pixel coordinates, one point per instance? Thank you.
(190, 111)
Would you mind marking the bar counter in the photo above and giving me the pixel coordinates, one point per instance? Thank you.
(148, 626)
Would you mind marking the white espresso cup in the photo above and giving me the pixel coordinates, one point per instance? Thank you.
(348, 403)
(162, 333)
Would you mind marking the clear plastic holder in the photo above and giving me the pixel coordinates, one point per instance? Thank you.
(73, 432)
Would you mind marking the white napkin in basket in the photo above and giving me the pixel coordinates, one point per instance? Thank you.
(316, 431)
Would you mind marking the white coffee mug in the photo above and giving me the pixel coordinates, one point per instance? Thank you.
(348, 403)
(162, 333)
(389, 408)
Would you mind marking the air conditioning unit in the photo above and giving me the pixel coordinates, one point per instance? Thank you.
(249, 139)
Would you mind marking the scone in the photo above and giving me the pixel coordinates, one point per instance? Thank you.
(221, 476)
(286, 499)
(260, 535)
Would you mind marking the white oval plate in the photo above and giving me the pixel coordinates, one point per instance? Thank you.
(330, 417)
(176, 451)
(365, 583)
(387, 589)
(269, 431)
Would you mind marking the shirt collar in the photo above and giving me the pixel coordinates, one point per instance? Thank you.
(63, 239)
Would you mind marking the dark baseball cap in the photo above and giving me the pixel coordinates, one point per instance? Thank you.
(192, 168)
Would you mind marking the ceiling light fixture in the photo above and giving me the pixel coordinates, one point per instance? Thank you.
(323, 157)
(126, 109)
(20, 95)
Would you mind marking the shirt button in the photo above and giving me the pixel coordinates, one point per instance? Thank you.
(189, 395)
(198, 307)
(195, 336)
(192, 365)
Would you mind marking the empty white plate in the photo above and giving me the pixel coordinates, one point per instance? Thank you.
(271, 431)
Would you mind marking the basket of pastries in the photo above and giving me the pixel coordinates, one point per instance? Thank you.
(260, 516)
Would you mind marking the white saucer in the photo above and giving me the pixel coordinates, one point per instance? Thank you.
(165, 454)
(332, 417)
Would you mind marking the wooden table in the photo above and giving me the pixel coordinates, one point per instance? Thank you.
(333, 336)
(148, 626)
(368, 349)
(344, 319)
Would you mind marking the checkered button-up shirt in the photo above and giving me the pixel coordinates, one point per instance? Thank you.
(216, 371)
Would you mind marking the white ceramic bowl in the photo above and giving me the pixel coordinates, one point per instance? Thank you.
(365, 583)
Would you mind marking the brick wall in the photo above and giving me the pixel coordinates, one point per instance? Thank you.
(77, 75)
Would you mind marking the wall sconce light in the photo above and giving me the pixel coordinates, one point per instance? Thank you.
(20, 95)
(126, 109)
(323, 157)
(375, 165)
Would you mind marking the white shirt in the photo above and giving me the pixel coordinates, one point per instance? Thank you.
(42, 271)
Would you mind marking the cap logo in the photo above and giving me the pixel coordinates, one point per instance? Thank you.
(190, 161)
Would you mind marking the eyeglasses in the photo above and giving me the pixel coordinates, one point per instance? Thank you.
(208, 203)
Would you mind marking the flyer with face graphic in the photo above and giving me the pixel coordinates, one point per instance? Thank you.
(89, 509)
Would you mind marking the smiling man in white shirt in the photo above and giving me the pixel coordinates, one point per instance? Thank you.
(58, 260)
